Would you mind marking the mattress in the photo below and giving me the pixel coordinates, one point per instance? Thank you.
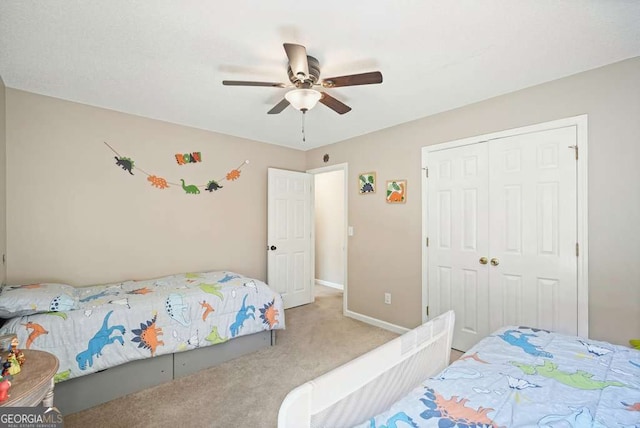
(125, 321)
(523, 377)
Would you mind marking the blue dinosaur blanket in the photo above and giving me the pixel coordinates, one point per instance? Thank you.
(522, 377)
(125, 321)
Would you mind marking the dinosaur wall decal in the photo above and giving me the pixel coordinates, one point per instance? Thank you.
(191, 189)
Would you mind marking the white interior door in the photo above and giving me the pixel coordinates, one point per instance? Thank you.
(458, 201)
(290, 271)
(533, 231)
(511, 202)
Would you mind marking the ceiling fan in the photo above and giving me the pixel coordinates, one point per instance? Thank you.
(304, 75)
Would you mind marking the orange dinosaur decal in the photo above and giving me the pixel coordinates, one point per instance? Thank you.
(36, 331)
(207, 309)
(269, 314)
(473, 356)
(158, 182)
(234, 174)
(147, 336)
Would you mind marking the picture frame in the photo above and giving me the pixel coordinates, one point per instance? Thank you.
(396, 191)
(367, 183)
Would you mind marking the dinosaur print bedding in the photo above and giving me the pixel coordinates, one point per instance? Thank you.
(120, 322)
(522, 377)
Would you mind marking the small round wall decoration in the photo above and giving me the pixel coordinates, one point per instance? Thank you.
(326, 158)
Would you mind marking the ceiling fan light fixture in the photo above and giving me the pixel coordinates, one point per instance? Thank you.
(303, 99)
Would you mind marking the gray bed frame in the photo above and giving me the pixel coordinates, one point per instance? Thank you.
(83, 392)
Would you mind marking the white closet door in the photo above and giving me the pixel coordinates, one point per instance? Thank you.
(533, 231)
(457, 228)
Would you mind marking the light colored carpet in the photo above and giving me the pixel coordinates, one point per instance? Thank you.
(247, 391)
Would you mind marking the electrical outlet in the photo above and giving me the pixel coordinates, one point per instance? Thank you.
(387, 298)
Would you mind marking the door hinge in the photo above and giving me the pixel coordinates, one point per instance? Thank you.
(426, 172)
(427, 310)
(427, 241)
(577, 250)
(576, 150)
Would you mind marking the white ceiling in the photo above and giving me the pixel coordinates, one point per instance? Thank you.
(166, 59)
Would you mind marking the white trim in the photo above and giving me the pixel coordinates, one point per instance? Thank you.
(376, 322)
(345, 168)
(582, 128)
(581, 124)
(329, 284)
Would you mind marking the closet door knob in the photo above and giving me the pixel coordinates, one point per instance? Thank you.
(495, 262)
(483, 260)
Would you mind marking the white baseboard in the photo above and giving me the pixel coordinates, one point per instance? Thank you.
(330, 284)
(376, 322)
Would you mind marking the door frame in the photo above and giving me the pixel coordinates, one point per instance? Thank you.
(581, 124)
(337, 167)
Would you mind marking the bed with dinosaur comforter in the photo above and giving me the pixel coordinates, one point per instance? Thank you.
(93, 328)
(515, 377)
(523, 377)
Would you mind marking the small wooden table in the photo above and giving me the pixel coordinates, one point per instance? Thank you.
(34, 384)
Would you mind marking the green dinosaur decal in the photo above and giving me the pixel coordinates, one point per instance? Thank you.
(212, 289)
(190, 188)
(59, 377)
(214, 337)
(580, 379)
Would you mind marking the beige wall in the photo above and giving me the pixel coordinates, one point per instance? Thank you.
(3, 181)
(385, 251)
(329, 224)
(75, 216)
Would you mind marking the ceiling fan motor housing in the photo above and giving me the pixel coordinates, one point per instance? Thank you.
(311, 79)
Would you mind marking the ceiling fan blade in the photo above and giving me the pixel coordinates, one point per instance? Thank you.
(353, 80)
(279, 107)
(297, 55)
(335, 105)
(245, 83)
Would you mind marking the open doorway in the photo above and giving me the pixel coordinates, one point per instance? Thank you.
(330, 226)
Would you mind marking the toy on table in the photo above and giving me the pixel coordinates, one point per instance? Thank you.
(4, 389)
(14, 367)
(17, 352)
(5, 384)
(5, 369)
(15, 357)
(5, 342)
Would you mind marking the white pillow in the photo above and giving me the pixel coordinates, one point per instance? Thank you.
(19, 300)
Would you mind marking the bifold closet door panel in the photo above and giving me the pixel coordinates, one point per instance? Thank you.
(533, 230)
(458, 233)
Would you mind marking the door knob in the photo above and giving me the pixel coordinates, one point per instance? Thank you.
(495, 262)
(273, 248)
(483, 260)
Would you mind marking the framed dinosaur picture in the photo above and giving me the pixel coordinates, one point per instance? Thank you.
(396, 191)
(367, 183)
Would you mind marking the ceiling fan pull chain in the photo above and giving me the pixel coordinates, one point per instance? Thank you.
(304, 138)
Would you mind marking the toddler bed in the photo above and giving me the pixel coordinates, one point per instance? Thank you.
(91, 329)
(515, 377)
